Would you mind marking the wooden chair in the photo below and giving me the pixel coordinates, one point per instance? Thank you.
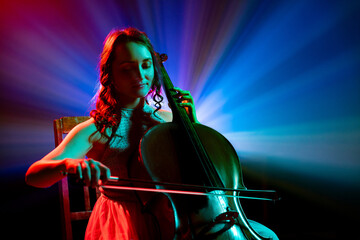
(63, 126)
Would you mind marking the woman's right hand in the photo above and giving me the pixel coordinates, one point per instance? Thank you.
(88, 170)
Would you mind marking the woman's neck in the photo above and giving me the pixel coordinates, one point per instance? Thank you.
(131, 104)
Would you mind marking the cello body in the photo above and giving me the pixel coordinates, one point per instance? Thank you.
(166, 156)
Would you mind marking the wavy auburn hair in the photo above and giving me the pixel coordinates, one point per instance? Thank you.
(106, 113)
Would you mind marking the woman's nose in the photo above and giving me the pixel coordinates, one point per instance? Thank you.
(139, 73)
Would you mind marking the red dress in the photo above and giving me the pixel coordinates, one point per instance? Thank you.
(119, 214)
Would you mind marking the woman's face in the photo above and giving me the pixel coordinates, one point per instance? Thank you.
(132, 71)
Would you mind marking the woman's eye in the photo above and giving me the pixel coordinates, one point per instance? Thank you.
(126, 68)
(146, 65)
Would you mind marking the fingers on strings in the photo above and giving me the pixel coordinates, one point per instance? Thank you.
(183, 97)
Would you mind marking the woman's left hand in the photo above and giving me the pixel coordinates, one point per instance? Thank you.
(186, 101)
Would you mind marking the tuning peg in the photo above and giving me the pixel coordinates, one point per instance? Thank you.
(163, 57)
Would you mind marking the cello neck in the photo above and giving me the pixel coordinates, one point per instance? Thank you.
(181, 118)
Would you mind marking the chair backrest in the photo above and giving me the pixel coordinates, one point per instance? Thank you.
(63, 126)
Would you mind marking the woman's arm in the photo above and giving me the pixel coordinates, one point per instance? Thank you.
(69, 157)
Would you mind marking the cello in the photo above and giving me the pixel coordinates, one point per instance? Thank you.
(183, 153)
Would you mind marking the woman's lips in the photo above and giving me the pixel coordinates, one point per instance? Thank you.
(139, 85)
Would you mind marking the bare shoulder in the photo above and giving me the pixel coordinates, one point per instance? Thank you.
(87, 127)
(77, 142)
(166, 115)
(86, 130)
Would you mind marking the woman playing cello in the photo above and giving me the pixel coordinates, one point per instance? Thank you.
(103, 145)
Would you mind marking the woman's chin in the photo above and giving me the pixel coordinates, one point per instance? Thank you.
(142, 92)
